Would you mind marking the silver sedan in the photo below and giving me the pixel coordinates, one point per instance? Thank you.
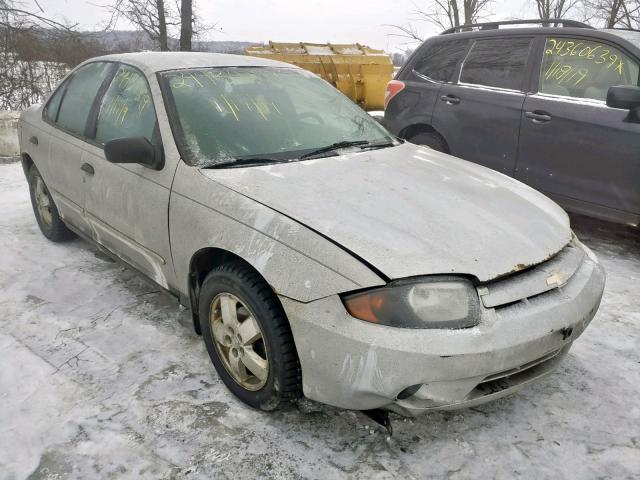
(319, 255)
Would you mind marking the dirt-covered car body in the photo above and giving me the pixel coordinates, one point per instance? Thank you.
(320, 229)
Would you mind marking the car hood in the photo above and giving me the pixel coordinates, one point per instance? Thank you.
(409, 210)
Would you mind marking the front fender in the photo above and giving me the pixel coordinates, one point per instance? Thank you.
(297, 262)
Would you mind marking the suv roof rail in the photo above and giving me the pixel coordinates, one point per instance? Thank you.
(496, 25)
(627, 29)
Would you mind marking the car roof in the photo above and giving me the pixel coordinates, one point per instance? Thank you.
(153, 62)
(620, 37)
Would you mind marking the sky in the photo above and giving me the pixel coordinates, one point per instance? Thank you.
(336, 21)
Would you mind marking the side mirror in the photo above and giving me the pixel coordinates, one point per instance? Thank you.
(626, 97)
(134, 150)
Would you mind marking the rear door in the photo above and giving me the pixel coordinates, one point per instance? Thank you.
(127, 204)
(572, 146)
(67, 112)
(434, 64)
(479, 116)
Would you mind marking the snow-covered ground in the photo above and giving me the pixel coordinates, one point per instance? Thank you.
(102, 376)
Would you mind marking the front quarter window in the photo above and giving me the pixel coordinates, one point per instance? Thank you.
(228, 113)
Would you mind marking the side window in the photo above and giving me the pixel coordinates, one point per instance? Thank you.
(51, 112)
(497, 62)
(584, 69)
(126, 109)
(439, 61)
(80, 94)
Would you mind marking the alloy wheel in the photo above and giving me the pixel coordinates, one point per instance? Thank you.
(239, 341)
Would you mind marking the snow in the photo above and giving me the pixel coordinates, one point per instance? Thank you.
(102, 376)
(9, 133)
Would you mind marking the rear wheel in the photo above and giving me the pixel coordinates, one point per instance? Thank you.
(47, 216)
(248, 337)
(431, 139)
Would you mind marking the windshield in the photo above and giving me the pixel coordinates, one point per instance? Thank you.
(231, 113)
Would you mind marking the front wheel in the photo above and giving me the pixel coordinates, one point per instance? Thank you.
(248, 337)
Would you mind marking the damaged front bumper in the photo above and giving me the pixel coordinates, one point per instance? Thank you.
(357, 365)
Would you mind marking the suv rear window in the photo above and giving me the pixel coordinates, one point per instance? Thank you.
(440, 60)
(497, 62)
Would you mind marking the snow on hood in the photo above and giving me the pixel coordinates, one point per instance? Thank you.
(409, 210)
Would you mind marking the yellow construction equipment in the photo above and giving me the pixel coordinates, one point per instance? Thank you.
(360, 72)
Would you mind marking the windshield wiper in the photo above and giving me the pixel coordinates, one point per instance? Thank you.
(382, 144)
(334, 146)
(245, 162)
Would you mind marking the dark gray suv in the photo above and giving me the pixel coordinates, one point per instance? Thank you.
(557, 108)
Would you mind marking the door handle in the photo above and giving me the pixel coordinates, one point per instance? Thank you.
(450, 99)
(34, 140)
(87, 168)
(538, 116)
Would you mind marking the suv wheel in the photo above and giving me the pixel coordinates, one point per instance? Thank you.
(47, 216)
(248, 337)
(430, 139)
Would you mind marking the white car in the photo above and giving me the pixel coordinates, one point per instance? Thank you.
(318, 254)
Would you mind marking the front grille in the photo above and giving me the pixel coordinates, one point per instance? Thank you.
(535, 281)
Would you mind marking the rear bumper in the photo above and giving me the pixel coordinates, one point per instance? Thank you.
(356, 365)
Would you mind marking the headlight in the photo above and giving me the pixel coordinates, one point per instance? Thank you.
(438, 302)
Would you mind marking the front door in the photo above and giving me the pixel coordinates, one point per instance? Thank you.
(572, 146)
(479, 116)
(127, 204)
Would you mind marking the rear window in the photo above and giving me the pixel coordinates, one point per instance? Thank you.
(80, 95)
(51, 111)
(497, 62)
(439, 61)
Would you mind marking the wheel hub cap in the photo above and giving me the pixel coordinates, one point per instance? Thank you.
(239, 341)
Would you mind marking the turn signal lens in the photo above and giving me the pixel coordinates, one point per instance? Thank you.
(430, 302)
(365, 306)
(394, 87)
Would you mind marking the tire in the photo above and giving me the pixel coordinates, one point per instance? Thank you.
(432, 140)
(45, 210)
(236, 287)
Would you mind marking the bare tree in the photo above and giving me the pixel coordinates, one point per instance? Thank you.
(615, 13)
(22, 14)
(162, 20)
(445, 14)
(454, 13)
(153, 17)
(186, 25)
(556, 8)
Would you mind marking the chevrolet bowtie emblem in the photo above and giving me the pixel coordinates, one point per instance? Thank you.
(557, 278)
